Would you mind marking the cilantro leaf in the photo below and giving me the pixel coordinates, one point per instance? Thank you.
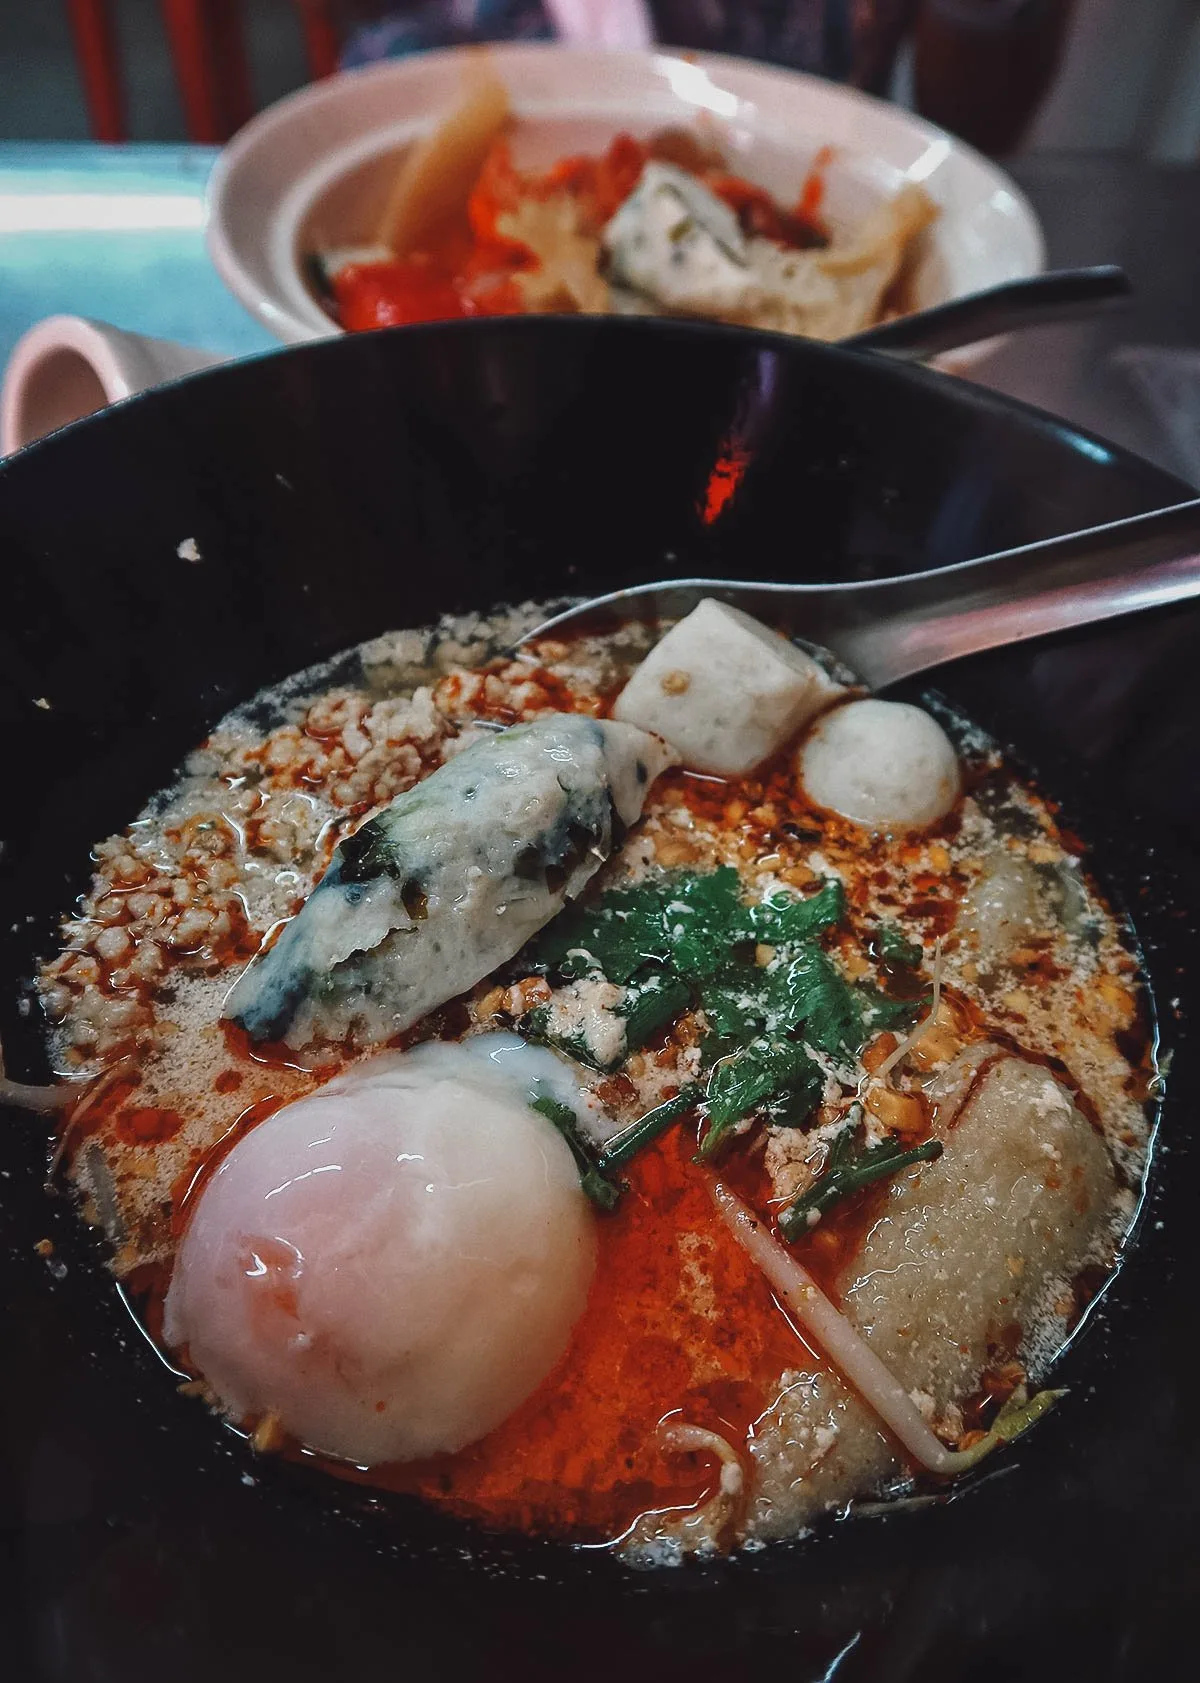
(736, 1011)
(808, 993)
(894, 947)
(619, 936)
(704, 919)
(766, 1069)
(649, 1005)
(690, 940)
(880, 1011)
(781, 919)
(535, 1026)
(601, 1191)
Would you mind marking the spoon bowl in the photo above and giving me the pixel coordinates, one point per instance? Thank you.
(888, 629)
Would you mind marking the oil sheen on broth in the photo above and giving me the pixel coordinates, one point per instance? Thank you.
(422, 1240)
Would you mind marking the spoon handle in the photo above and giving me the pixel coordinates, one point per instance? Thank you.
(1060, 296)
(899, 627)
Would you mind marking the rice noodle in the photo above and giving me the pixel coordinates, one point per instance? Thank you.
(25, 1096)
(849, 1351)
(687, 1439)
(94, 1091)
(665, 1535)
(921, 1028)
(709, 1520)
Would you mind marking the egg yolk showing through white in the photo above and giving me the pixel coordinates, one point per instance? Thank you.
(391, 1265)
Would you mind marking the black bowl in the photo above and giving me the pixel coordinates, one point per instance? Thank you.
(338, 490)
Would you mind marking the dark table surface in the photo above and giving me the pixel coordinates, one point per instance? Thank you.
(1106, 208)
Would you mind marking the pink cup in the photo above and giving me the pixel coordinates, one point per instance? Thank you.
(67, 367)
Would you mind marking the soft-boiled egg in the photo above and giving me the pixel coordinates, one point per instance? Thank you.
(389, 1266)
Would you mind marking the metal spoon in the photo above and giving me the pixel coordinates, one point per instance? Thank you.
(887, 629)
(1061, 296)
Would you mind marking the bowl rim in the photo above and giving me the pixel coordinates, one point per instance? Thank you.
(973, 396)
(282, 318)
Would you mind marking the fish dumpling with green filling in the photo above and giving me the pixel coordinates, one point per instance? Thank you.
(1002, 911)
(676, 242)
(450, 880)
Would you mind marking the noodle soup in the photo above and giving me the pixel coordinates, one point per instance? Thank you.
(633, 1091)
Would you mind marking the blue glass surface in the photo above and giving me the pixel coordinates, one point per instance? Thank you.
(115, 233)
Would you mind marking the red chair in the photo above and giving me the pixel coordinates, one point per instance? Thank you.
(208, 50)
(320, 37)
(99, 67)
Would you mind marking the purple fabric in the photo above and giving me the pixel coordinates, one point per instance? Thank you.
(846, 40)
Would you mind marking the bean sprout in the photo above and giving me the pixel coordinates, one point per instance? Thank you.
(853, 1357)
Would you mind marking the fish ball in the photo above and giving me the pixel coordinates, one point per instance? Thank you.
(882, 764)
